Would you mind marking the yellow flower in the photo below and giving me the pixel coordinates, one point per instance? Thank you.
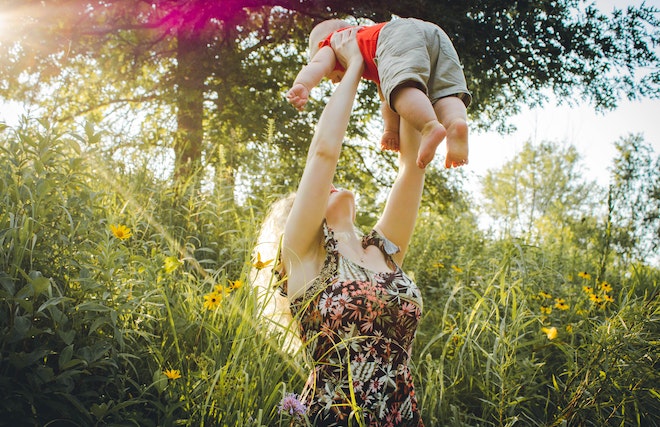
(259, 264)
(595, 298)
(560, 303)
(456, 269)
(550, 332)
(212, 300)
(236, 284)
(546, 310)
(439, 265)
(588, 289)
(584, 275)
(545, 295)
(608, 298)
(606, 287)
(222, 289)
(569, 329)
(121, 231)
(172, 374)
(171, 263)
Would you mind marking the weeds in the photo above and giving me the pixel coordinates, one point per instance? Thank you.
(124, 302)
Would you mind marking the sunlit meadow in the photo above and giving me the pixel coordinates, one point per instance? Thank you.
(125, 301)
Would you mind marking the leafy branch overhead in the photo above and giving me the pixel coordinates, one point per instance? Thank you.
(208, 76)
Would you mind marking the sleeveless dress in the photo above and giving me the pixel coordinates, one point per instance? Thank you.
(358, 327)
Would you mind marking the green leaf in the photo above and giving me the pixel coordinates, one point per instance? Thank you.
(159, 381)
(93, 306)
(39, 283)
(67, 336)
(65, 355)
(51, 302)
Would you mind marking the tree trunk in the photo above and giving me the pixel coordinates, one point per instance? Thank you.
(190, 79)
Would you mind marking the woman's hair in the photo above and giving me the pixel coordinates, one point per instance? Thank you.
(321, 31)
(274, 306)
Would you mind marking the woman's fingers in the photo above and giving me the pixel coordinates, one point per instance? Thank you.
(344, 44)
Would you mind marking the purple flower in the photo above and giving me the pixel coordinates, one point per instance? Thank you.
(292, 405)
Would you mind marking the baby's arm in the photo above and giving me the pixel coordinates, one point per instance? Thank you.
(310, 76)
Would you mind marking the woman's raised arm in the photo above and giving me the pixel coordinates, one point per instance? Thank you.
(302, 233)
(398, 220)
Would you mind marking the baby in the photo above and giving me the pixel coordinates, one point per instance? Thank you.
(419, 78)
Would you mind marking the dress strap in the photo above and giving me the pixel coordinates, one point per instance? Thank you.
(386, 246)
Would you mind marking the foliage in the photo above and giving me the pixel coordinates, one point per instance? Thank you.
(524, 344)
(125, 300)
(543, 185)
(100, 299)
(634, 201)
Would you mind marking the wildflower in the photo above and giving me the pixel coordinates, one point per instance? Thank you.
(560, 303)
(236, 284)
(595, 298)
(545, 295)
(121, 231)
(292, 405)
(606, 287)
(259, 264)
(608, 298)
(569, 329)
(546, 310)
(588, 289)
(439, 265)
(172, 374)
(221, 290)
(456, 269)
(212, 300)
(550, 332)
(171, 263)
(584, 275)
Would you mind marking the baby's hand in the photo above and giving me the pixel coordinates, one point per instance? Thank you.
(298, 96)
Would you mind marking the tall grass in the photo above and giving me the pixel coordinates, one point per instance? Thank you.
(160, 326)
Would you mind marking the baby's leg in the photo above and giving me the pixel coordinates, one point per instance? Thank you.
(390, 138)
(414, 106)
(451, 112)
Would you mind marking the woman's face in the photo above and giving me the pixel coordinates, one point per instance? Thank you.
(341, 205)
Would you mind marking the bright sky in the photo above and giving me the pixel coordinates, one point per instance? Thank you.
(591, 133)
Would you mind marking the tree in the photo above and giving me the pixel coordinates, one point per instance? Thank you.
(634, 201)
(542, 185)
(204, 77)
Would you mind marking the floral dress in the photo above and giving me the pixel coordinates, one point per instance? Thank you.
(358, 327)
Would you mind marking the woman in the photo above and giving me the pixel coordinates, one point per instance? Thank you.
(356, 309)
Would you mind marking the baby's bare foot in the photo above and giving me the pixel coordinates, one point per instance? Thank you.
(432, 135)
(390, 140)
(457, 144)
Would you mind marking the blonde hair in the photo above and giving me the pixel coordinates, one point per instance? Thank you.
(321, 31)
(274, 307)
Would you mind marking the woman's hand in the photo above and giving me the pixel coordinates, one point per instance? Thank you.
(344, 43)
